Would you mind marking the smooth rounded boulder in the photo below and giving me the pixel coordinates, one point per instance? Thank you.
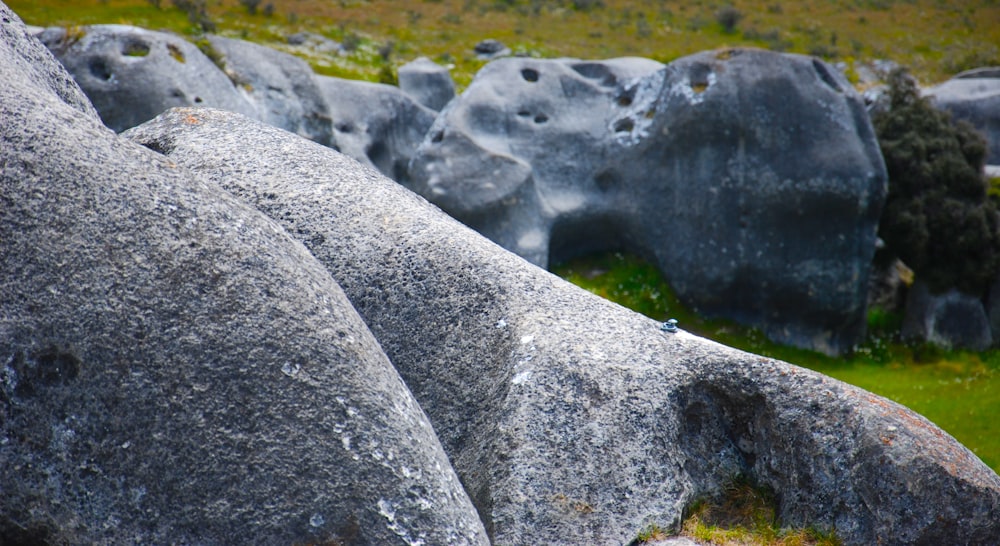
(569, 419)
(174, 367)
(974, 96)
(132, 74)
(751, 179)
(427, 82)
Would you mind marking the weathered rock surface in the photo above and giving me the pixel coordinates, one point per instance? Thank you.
(752, 179)
(377, 124)
(281, 87)
(974, 96)
(132, 74)
(174, 368)
(429, 83)
(952, 319)
(570, 419)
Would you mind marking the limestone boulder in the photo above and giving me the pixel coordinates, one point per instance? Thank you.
(752, 179)
(174, 367)
(376, 124)
(429, 83)
(951, 320)
(281, 87)
(132, 74)
(569, 419)
(974, 96)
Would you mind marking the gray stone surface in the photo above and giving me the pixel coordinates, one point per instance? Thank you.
(752, 179)
(974, 96)
(176, 369)
(951, 320)
(377, 124)
(570, 419)
(429, 83)
(281, 87)
(132, 74)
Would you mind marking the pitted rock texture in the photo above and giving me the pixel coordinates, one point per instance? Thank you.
(569, 419)
(281, 87)
(752, 179)
(176, 369)
(376, 124)
(974, 96)
(429, 83)
(132, 74)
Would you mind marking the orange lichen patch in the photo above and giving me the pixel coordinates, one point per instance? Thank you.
(191, 119)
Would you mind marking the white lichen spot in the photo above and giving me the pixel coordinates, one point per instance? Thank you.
(521, 377)
(386, 510)
(317, 520)
(501, 324)
(345, 440)
(291, 369)
(527, 339)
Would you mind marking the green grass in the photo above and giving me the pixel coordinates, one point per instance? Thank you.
(957, 390)
(934, 38)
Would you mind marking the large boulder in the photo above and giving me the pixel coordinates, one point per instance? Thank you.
(174, 368)
(132, 74)
(974, 96)
(752, 179)
(570, 419)
(376, 124)
(281, 87)
(427, 82)
(951, 319)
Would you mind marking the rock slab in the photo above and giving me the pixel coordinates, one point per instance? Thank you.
(569, 419)
(176, 369)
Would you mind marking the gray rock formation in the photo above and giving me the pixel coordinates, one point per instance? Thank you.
(281, 87)
(570, 419)
(132, 74)
(376, 124)
(974, 96)
(174, 368)
(752, 179)
(429, 83)
(951, 320)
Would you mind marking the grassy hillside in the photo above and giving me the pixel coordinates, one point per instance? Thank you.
(936, 38)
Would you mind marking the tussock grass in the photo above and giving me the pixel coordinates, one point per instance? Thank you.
(935, 39)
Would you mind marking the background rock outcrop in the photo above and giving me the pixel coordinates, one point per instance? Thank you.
(282, 87)
(569, 419)
(429, 83)
(176, 369)
(752, 179)
(132, 74)
(974, 96)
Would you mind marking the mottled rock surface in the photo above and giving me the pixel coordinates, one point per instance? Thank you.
(429, 83)
(281, 87)
(132, 74)
(974, 96)
(377, 124)
(176, 369)
(752, 179)
(951, 320)
(571, 420)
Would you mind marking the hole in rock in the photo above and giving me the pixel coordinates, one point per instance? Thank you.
(523, 113)
(135, 48)
(197, 100)
(624, 125)
(624, 100)
(529, 74)
(438, 137)
(541, 118)
(99, 69)
(606, 180)
(176, 53)
(345, 127)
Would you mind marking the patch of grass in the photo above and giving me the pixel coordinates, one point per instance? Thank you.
(933, 38)
(957, 390)
(747, 514)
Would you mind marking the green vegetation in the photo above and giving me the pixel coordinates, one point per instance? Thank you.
(937, 218)
(747, 515)
(934, 38)
(957, 390)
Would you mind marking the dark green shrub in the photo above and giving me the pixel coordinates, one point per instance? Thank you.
(728, 17)
(937, 216)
